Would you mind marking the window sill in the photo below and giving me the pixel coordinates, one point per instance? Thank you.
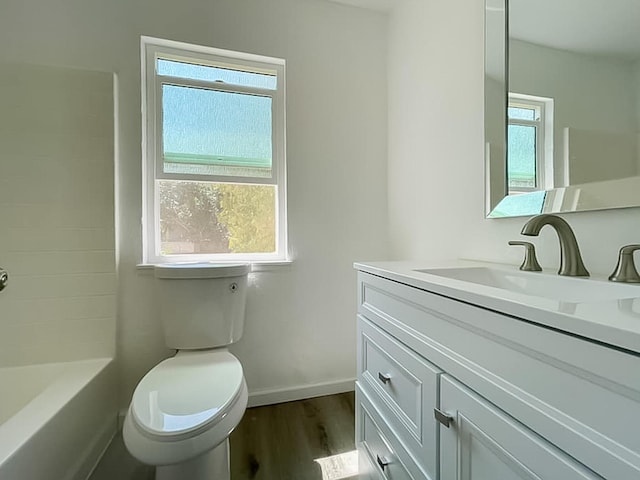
(256, 266)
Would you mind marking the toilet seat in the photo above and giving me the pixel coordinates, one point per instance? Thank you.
(185, 394)
(185, 406)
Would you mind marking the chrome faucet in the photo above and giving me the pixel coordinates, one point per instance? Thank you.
(570, 259)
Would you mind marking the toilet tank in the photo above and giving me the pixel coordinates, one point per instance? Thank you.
(201, 305)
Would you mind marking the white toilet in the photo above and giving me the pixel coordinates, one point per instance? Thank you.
(184, 409)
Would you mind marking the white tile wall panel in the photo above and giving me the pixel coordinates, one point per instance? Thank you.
(65, 262)
(39, 239)
(57, 235)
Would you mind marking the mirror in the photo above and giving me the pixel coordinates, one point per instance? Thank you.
(562, 106)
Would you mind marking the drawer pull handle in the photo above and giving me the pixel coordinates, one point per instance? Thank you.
(442, 417)
(382, 461)
(384, 377)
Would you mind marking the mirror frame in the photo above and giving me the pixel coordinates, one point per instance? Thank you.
(604, 195)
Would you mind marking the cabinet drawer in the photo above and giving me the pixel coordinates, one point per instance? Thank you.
(382, 455)
(404, 387)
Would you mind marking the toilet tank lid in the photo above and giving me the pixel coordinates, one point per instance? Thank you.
(201, 270)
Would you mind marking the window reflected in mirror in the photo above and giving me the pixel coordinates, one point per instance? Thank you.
(530, 143)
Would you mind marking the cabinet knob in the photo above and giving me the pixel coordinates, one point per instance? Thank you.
(384, 377)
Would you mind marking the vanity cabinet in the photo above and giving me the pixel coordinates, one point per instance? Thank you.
(521, 401)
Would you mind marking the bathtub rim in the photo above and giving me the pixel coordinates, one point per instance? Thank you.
(16, 432)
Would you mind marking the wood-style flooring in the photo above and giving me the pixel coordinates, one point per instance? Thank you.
(305, 440)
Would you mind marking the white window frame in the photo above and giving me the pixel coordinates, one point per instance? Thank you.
(153, 49)
(544, 137)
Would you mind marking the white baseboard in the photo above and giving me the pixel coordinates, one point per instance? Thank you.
(290, 394)
(121, 414)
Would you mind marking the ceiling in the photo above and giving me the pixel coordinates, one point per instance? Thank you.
(598, 27)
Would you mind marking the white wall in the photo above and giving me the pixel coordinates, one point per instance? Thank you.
(435, 165)
(56, 214)
(436, 149)
(300, 326)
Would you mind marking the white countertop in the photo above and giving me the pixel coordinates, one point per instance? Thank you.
(613, 322)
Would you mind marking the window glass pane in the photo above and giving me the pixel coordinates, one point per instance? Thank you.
(216, 74)
(205, 217)
(522, 113)
(209, 132)
(521, 157)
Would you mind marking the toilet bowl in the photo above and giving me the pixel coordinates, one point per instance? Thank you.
(183, 409)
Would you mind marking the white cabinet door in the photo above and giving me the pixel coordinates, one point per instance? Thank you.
(483, 443)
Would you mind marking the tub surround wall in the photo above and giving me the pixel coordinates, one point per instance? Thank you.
(436, 148)
(56, 214)
(300, 328)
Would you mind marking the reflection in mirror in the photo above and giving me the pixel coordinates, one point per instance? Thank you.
(562, 120)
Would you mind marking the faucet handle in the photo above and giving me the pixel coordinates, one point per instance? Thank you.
(4, 279)
(530, 262)
(626, 269)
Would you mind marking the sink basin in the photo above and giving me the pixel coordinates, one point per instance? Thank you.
(555, 287)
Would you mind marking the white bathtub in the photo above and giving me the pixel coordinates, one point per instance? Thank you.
(56, 419)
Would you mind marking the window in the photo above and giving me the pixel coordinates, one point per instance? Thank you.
(530, 143)
(214, 148)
